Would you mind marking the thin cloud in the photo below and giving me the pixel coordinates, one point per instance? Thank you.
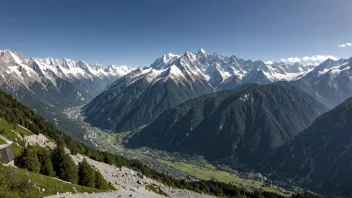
(291, 60)
(19, 45)
(308, 59)
(269, 62)
(318, 58)
(346, 45)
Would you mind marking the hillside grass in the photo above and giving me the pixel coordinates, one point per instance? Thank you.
(17, 182)
(210, 173)
(7, 130)
(23, 131)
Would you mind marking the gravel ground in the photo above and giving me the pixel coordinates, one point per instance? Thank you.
(129, 183)
(121, 193)
(40, 140)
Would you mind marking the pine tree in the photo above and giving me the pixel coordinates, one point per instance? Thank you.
(86, 174)
(70, 169)
(64, 167)
(56, 158)
(109, 159)
(30, 160)
(99, 181)
(46, 164)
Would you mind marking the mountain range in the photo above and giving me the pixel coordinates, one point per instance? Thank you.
(141, 96)
(46, 80)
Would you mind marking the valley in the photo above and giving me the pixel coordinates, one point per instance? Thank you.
(178, 165)
(46, 154)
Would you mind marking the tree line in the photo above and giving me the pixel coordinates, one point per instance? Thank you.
(58, 163)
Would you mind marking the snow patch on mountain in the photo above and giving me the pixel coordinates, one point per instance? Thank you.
(176, 71)
(336, 70)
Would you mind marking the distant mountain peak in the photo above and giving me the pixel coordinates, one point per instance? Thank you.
(202, 51)
(11, 57)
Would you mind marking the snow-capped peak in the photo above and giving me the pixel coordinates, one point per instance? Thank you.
(202, 51)
(172, 55)
(168, 58)
(10, 57)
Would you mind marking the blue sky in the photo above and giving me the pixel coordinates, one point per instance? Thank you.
(132, 32)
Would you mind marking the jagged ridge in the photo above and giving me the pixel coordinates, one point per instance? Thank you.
(142, 95)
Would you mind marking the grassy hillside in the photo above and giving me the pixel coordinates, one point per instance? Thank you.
(22, 183)
(13, 132)
(15, 182)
